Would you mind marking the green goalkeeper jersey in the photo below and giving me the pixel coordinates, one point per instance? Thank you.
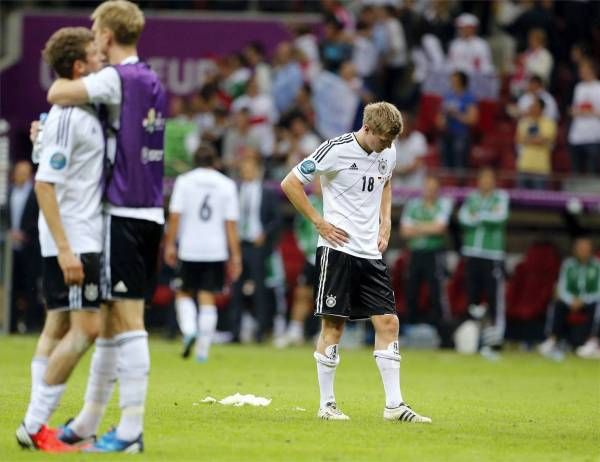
(306, 233)
(416, 212)
(177, 157)
(579, 280)
(483, 219)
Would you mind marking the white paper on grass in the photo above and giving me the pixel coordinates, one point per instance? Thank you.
(238, 400)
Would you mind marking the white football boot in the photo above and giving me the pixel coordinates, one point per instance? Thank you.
(404, 413)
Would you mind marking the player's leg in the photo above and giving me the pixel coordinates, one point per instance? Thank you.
(207, 323)
(493, 333)
(591, 348)
(186, 318)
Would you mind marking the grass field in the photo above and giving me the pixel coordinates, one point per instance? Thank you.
(522, 408)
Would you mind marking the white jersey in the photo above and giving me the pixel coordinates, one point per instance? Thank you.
(352, 181)
(206, 199)
(72, 158)
(104, 87)
(586, 128)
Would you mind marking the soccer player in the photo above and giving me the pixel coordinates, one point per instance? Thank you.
(204, 213)
(136, 102)
(69, 192)
(353, 281)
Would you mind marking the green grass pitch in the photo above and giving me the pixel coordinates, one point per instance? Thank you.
(522, 408)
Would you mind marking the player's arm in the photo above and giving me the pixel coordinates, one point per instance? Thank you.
(235, 253)
(67, 92)
(294, 190)
(69, 263)
(499, 214)
(170, 252)
(385, 217)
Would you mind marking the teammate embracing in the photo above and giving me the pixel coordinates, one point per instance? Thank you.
(352, 281)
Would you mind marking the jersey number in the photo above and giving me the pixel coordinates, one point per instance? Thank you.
(368, 183)
(205, 209)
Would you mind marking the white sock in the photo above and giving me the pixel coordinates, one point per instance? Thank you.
(326, 365)
(186, 316)
(296, 329)
(38, 369)
(45, 401)
(101, 383)
(388, 362)
(207, 323)
(132, 371)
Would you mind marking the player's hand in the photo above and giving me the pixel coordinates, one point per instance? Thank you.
(384, 236)
(337, 236)
(170, 256)
(33, 130)
(260, 240)
(234, 268)
(576, 304)
(71, 267)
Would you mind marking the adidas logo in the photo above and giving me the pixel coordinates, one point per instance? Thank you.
(120, 287)
(353, 167)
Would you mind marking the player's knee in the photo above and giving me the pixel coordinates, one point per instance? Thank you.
(389, 326)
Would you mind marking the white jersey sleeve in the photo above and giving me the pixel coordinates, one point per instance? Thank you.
(58, 139)
(320, 162)
(232, 208)
(176, 205)
(104, 86)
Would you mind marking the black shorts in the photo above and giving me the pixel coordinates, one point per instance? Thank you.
(308, 275)
(130, 258)
(59, 296)
(193, 276)
(352, 287)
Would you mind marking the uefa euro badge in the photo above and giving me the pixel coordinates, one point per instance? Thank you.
(330, 301)
(91, 292)
(382, 167)
(307, 167)
(58, 161)
(153, 121)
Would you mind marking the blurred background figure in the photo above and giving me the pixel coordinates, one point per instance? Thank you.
(578, 295)
(411, 147)
(483, 217)
(535, 89)
(23, 211)
(259, 227)
(535, 138)
(468, 52)
(424, 225)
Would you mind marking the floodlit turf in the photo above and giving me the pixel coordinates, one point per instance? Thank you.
(522, 408)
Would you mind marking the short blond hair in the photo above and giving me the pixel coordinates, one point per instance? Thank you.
(383, 118)
(123, 18)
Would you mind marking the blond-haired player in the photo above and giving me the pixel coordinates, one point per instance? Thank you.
(353, 281)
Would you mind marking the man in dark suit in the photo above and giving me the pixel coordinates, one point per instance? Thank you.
(259, 224)
(23, 213)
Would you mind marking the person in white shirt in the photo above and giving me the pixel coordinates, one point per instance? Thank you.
(353, 282)
(69, 192)
(469, 52)
(584, 134)
(204, 203)
(535, 89)
(411, 148)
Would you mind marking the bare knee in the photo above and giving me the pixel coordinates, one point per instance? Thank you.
(332, 330)
(387, 327)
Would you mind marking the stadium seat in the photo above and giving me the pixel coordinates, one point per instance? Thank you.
(457, 292)
(429, 105)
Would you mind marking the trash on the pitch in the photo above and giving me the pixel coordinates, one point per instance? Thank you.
(237, 400)
(298, 408)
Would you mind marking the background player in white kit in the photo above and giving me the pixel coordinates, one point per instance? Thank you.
(353, 282)
(69, 192)
(204, 212)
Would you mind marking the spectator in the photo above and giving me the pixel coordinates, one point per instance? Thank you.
(306, 43)
(181, 138)
(469, 52)
(483, 216)
(578, 291)
(23, 224)
(254, 53)
(237, 138)
(335, 47)
(584, 134)
(535, 138)
(302, 140)
(287, 77)
(235, 75)
(424, 224)
(201, 105)
(411, 148)
(535, 89)
(537, 59)
(364, 55)
(459, 113)
(259, 227)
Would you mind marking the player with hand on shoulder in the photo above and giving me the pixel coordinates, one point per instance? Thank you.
(353, 282)
(203, 216)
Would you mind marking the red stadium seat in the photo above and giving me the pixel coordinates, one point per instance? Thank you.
(429, 107)
(488, 111)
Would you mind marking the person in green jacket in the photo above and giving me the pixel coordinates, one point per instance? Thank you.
(578, 290)
(424, 225)
(483, 216)
(306, 236)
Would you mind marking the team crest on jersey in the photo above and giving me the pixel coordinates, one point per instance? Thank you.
(91, 292)
(153, 121)
(382, 167)
(330, 301)
(307, 167)
(58, 161)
